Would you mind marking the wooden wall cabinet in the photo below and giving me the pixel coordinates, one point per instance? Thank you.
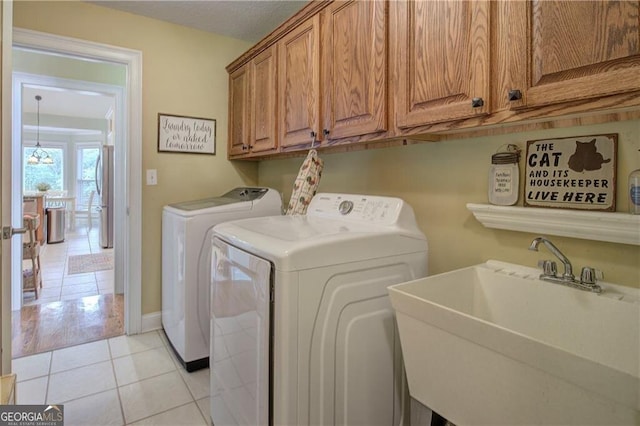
(345, 80)
(253, 106)
(354, 58)
(299, 85)
(263, 102)
(573, 50)
(441, 57)
(239, 112)
(344, 72)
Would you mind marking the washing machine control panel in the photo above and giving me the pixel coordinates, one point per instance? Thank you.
(361, 208)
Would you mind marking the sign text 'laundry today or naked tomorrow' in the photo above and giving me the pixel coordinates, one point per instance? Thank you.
(186, 134)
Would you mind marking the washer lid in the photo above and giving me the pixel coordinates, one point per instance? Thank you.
(294, 243)
(237, 199)
(204, 203)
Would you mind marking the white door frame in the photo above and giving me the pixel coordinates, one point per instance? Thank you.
(128, 213)
(6, 28)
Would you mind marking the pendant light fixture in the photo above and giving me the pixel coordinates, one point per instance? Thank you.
(39, 155)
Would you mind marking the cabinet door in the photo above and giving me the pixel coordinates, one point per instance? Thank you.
(263, 102)
(239, 117)
(299, 84)
(578, 50)
(442, 54)
(354, 68)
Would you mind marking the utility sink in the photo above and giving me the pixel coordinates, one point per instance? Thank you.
(494, 344)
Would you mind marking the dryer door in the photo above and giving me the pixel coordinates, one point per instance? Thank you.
(240, 336)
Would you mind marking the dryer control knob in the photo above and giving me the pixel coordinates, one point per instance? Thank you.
(345, 207)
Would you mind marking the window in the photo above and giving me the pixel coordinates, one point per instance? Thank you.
(53, 174)
(86, 155)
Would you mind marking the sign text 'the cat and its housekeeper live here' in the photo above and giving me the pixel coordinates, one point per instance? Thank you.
(575, 173)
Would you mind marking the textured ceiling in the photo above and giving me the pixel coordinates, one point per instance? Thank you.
(241, 19)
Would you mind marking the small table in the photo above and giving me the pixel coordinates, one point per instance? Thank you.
(69, 204)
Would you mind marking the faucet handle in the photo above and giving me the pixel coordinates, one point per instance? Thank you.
(590, 275)
(549, 267)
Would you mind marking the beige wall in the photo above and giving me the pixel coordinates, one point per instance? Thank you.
(438, 179)
(184, 74)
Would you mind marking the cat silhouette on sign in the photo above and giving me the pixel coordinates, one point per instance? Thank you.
(586, 157)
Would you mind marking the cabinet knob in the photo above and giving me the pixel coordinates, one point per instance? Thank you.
(514, 95)
(477, 102)
(325, 132)
(313, 134)
(245, 147)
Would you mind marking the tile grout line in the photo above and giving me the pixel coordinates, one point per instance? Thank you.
(190, 392)
(46, 393)
(176, 369)
(113, 367)
(165, 411)
(179, 367)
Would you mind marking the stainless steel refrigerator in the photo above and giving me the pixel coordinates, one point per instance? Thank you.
(104, 186)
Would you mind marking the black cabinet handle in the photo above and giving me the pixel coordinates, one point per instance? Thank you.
(245, 147)
(313, 134)
(477, 102)
(325, 132)
(514, 95)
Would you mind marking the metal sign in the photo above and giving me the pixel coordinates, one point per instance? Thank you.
(572, 173)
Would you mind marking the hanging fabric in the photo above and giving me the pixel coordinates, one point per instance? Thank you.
(306, 184)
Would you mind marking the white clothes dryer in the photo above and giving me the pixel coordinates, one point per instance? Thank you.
(303, 332)
(186, 254)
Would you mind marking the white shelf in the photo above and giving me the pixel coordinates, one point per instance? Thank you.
(611, 227)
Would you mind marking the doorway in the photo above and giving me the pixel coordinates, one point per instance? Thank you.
(127, 175)
(68, 129)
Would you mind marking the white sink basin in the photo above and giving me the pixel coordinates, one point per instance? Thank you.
(493, 344)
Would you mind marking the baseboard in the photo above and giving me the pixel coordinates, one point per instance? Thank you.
(152, 321)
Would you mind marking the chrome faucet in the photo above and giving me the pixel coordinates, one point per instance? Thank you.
(568, 270)
(588, 276)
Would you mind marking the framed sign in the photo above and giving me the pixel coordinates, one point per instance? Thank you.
(573, 173)
(186, 134)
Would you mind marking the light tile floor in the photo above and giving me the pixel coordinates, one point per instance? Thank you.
(125, 380)
(57, 284)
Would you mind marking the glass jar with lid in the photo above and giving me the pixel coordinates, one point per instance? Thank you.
(634, 191)
(504, 177)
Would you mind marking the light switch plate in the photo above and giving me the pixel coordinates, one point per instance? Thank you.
(152, 177)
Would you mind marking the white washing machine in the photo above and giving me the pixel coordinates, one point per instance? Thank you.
(303, 332)
(186, 263)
